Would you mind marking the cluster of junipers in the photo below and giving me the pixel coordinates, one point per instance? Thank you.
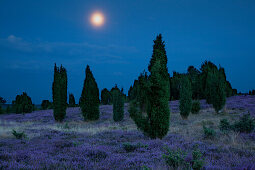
(251, 92)
(156, 91)
(185, 97)
(105, 97)
(199, 81)
(46, 104)
(118, 104)
(2, 101)
(71, 100)
(23, 104)
(59, 93)
(89, 101)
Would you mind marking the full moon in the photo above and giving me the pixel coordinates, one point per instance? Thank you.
(97, 19)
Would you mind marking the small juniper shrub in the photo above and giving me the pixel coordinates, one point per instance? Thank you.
(225, 126)
(195, 107)
(185, 97)
(208, 132)
(246, 124)
(197, 161)
(178, 159)
(118, 105)
(132, 147)
(175, 159)
(19, 135)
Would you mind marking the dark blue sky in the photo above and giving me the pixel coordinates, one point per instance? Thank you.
(34, 34)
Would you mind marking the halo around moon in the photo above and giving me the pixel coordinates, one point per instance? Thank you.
(97, 19)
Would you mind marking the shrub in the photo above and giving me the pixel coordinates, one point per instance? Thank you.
(208, 132)
(46, 104)
(1, 110)
(129, 147)
(89, 101)
(195, 107)
(18, 135)
(118, 105)
(197, 161)
(59, 93)
(245, 124)
(225, 125)
(23, 104)
(185, 97)
(175, 159)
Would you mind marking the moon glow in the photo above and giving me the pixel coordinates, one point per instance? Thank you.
(97, 19)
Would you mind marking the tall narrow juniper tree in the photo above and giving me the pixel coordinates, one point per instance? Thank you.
(89, 101)
(71, 100)
(118, 104)
(185, 97)
(59, 93)
(156, 123)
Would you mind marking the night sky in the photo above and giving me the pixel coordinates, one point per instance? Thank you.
(34, 34)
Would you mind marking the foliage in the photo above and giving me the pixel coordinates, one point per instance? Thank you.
(194, 76)
(246, 124)
(90, 97)
(2, 101)
(185, 97)
(118, 105)
(105, 96)
(225, 125)
(46, 104)
(175, 84)
(176, 159)
(156, 123)
(197, 162)
(23, 104)
(59, 93)
(71, 100)
(208, 132)
(195, 107)
(18, 135)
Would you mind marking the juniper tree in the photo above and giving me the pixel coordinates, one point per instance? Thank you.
(45, 104)
(118, 104)
(156, 123)
(71, 100)
(59, 93)
(89, 101)
(23, 104)
(185, 97)
(105, 96)
(219, 95)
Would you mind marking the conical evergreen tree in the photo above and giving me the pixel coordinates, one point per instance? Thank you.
(59, 93)
(71, 100)
(156, 123)
(185, 97)
(89, 101)
(118, 104)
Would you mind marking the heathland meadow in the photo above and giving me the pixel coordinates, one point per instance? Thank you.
(106, 144)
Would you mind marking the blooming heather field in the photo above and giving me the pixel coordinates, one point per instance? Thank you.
(76, 144)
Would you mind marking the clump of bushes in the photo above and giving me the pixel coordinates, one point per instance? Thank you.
(23, 104)
(178, 159)
(185, 97)
(19, 135)
(246, 124)
(59, 93)
(46, 104)
(209, 132)
(132, 147)
(89, 101)
(118, 104)
(195, 107)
